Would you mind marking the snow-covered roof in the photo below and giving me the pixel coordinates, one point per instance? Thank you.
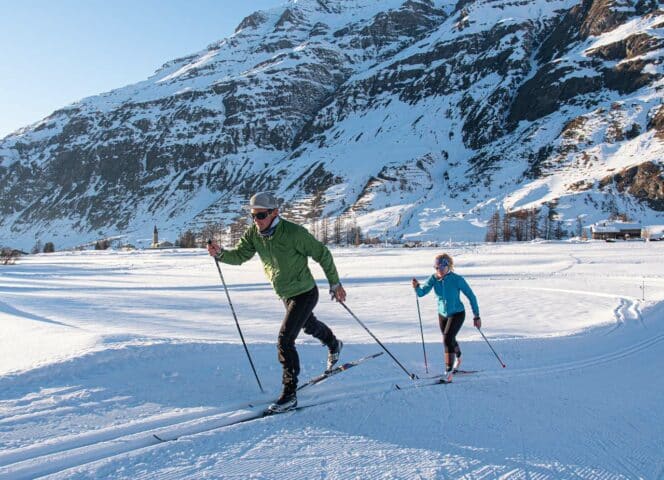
(614, 227)
(654, 228)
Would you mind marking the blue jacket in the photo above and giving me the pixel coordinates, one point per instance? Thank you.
(447, 290)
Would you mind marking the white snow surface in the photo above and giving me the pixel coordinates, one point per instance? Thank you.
(101, 350)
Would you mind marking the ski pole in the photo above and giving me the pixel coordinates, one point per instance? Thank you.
(238, 324)
(494, 352)
(426, 365)
(412, 376)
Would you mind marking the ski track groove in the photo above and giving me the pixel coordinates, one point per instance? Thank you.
(104, 435)
(45, 459)
(9, 420)
(44, 412)
(55, 458)
(59, 459)
(592, 361)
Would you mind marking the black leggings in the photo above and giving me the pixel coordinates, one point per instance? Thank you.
(449, 327)
(299, 314)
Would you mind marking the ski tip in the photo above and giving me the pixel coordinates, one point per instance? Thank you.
(158, 437)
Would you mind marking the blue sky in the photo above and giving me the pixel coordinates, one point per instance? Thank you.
(55, 52)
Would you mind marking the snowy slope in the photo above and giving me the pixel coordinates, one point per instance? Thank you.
(101, 350)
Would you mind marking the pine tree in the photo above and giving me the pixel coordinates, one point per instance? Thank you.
(37, 248)
(492, 227)
(551, 217)
(354, 233)
(187, 240)
(579, 227)
(338, 229)
(102, 244)
(507, 227)
(533, 221)
(314, 228)
(324, 231)
(238, 227)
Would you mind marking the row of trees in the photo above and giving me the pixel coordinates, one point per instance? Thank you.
(341, 230)
(525, 225)
(47, 247)
(521, 225)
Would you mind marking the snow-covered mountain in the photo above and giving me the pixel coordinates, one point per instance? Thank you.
(420, 118)
(100, 351)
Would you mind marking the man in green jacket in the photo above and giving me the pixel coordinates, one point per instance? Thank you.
(284, 248)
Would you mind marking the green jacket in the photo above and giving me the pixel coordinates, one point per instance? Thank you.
(284, 256)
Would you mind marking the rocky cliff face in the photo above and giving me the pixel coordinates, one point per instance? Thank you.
(419, 117)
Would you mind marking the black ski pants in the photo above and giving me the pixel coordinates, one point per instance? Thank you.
(449, 327)
(299, 315)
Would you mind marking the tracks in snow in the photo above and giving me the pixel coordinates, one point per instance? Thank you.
(48, 458)
(597, 360)
(52, 457)
(44, 459)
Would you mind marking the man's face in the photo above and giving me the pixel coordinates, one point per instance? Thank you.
(263, 217)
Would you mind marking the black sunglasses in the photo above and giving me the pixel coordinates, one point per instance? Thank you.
(441, 264)
(262, 215)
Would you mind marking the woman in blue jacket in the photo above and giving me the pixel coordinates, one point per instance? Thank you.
(451, 312)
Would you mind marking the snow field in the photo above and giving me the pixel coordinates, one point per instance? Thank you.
(99, 350)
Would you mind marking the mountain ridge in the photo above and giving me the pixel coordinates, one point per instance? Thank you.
(418, 119)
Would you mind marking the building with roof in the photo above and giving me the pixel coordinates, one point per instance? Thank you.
(607, 230)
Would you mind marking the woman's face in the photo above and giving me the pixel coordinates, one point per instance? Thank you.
(442, 267)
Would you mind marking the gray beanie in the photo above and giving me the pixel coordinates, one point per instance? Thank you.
(263, 200)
